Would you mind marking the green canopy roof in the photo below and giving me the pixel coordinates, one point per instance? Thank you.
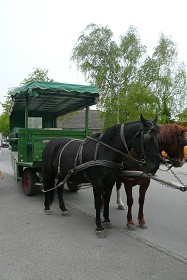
(57, 98)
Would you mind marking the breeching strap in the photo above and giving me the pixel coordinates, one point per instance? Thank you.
(62, 152)
(83, 166)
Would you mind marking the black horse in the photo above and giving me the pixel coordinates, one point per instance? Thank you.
(98, 161)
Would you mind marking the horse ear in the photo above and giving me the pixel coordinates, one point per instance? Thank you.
(145, 122)
(155, 120)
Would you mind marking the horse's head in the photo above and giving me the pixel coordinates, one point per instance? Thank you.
(145, 144)
(172, 139)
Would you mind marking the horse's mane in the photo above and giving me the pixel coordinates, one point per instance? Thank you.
(170, 132)
(108, 135)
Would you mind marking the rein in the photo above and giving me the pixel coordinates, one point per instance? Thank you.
(110, 147)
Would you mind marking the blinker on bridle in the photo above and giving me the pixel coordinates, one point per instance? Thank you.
(145, 138)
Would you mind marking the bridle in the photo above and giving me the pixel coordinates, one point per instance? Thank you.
(145, 138)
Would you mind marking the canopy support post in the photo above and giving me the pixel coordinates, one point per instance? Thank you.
(26, 110)
(86, 120)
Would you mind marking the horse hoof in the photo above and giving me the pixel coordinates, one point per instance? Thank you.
(131, 226)
(107, 225)
(100, 234)
(48, 212)
(121, 207)
(143, 226)
(65, 213)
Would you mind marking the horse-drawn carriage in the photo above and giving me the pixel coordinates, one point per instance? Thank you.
(72, 156)
(34, 111)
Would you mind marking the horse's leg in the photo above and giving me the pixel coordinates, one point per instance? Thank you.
(107, 196)
(142, 191)
(61, 201)
(119, 200)
(48, 182)
(97, 200)
(130, 223)
(102, 202)
(49, 196)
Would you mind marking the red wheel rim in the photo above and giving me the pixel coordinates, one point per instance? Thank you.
(25, 181)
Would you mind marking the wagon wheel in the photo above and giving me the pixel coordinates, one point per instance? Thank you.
(29, 179)
(73, 187)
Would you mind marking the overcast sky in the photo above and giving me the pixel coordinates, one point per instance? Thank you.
(42, 33)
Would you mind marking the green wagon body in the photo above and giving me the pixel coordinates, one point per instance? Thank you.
(42, 103)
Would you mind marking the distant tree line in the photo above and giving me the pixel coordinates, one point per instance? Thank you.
(131, 82)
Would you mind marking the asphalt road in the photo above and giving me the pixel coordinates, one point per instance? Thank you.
(165, 212)
(36, 246)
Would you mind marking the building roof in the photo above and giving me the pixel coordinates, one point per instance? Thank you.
(77, 120)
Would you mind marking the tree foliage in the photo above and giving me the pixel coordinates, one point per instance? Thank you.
(131, 82)
(38, 74)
